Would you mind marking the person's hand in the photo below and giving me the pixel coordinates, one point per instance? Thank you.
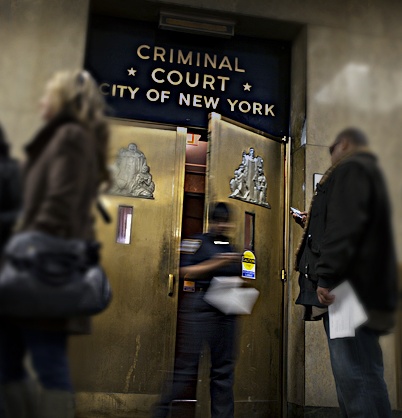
(300, 220)
(324, 296)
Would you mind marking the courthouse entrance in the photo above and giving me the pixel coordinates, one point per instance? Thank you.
(167, 92)
(121, 368)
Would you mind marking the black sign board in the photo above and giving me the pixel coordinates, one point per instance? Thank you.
(176, 78)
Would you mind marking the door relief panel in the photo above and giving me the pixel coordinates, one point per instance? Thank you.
(131, 174)
(249, 182)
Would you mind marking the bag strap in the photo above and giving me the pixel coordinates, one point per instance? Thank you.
(103, 212)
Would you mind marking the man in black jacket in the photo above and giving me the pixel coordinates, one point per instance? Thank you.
(348, 236)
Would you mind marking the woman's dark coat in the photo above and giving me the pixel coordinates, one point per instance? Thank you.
(60, 186)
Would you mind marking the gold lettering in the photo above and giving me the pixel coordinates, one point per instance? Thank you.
(225, 63)
(248, 106)
(268, 110)
(232, 104)
(197, 100)
(153, 95)
(122, 88)
(141, 47)
(114, 90)
(184, 98)
(211, 81)
(211, 61)
(133, 91)
(197, 78)
(211, 101)
(105, 93)
(169, 77)
(165, 95)
(239, 70)
(257, 107)
(153, 75)
(198, 59)
(171, 55)
(159, 52)
(184, 60)
(223, 81)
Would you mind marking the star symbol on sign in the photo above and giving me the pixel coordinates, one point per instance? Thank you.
(131, 71)
(247, 87)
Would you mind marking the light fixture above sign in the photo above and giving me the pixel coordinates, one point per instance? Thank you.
(200, 25)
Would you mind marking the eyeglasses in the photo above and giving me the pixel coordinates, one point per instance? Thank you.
(332, 147)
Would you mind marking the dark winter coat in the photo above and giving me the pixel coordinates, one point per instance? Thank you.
(60, 181)
(349, 236)
(60, 185)
(10, 197)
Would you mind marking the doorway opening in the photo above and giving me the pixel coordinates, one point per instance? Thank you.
(192, 224)
(194, 182)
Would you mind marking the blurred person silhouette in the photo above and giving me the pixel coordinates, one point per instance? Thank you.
(10, 201)
(348, 236)
(66, 162)
(10, 191)
(203, 257)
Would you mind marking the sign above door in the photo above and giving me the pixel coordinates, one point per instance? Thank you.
(170, 77)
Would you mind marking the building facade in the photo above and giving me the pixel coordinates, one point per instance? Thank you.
(341, 65)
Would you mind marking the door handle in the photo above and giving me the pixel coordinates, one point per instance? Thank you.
(170, 285)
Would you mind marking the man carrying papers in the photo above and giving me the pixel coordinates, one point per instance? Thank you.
(347, 262)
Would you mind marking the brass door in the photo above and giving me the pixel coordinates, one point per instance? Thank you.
(119, 370)
(258, 377)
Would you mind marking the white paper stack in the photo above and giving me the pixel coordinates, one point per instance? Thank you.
(346, 313)
(225, 294)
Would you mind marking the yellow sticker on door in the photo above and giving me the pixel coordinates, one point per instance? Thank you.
(248, 265)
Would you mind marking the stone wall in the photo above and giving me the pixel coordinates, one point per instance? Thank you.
(345, 70)
(37, 38)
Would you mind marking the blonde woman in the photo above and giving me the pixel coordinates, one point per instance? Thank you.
(65, 165)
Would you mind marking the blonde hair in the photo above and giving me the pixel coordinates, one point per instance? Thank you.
(76, 94)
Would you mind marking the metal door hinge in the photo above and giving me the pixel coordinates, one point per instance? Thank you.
(283, 276)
